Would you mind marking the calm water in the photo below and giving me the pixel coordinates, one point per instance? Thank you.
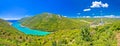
(26, 30)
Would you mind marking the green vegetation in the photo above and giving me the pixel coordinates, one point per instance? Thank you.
(70, 32)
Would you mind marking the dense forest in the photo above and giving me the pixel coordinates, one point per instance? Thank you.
(65, 31)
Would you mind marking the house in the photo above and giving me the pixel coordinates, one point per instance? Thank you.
(95, 24)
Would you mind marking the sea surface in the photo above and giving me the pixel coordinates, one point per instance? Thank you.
(27, 30)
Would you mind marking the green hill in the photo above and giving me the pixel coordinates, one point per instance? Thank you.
(50, 22)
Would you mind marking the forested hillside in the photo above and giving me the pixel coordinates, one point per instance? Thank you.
(50, 22)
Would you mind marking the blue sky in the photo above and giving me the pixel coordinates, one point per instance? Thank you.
(69, 8)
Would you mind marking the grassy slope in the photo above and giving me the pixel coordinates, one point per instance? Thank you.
(9, 36)
(6, 32)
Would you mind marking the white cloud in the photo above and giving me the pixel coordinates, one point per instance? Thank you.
(107, 16)
(105, 5)
(87, 9)
(78, 13)
(86, 16)
(11, 18)
(99, 4)
(64, 16)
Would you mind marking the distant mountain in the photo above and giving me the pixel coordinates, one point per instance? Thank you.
(49, 22)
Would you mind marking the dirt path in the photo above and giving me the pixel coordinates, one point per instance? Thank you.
(118, 39)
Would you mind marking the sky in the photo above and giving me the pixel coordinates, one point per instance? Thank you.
(16, 9)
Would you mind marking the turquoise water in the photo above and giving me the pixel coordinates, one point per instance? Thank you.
(28, 30)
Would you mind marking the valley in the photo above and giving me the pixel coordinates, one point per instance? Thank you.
(64, 31)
